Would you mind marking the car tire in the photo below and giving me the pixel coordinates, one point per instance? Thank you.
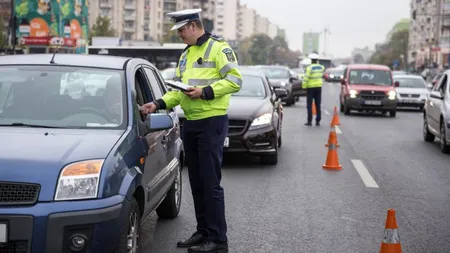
(392, 113)
(279, 141)
(427, 135)
(171, 205)
(445, 148)
(130, 230)
(346, 109)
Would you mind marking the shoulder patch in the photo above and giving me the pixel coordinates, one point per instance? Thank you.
(229, 54)
(217, 38)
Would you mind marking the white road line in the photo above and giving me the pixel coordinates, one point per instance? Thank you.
(364, 174)
(338, 130)
(326, 112)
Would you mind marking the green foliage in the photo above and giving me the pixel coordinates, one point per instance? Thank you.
(393, 50)
(102, 27)
(22, 9)
(3, 40)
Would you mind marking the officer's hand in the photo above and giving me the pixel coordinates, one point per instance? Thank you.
(148, 108)
(194, 92)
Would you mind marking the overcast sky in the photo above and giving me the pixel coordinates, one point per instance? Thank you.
(353, 23)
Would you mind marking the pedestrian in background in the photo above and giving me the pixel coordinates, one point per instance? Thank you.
(312, 83)
(209, 65)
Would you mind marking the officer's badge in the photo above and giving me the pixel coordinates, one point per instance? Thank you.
(229, 53)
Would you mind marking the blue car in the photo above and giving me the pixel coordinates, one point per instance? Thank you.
(80, 166)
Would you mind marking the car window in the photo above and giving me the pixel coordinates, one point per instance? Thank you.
(370, 76)
(60, 96)
(418, 83)
(440, 83)
(252, 86)
(155, 85)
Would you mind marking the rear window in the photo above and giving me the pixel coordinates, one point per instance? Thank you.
(62, 97)
(370, 77)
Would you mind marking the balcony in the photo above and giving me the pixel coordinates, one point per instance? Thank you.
(129, 17)
(107, 5)
(130, 7)
(129, 29)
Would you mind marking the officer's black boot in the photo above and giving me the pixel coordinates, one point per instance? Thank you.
(209, 247)
(317, 123)
(308, 123)
(196, 239)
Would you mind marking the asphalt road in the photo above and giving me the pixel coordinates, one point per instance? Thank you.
(296, 206)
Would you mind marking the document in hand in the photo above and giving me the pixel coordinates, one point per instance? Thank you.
(178, 85)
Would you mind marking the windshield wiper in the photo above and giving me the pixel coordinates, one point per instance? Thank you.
(28, 125)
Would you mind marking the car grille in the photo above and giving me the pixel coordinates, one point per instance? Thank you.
(372, 95)
(409, 95)
(236, 127)
(14, 247)
(18, 193)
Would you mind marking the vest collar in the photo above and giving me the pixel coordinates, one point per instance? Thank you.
(203, 39)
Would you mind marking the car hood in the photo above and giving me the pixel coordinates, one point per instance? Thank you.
(242, 108)
(412, 90)
(38, 155)
(361, 87)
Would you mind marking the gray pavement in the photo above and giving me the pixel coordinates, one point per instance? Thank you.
(296, 206)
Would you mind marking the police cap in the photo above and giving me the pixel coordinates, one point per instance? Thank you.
(181, 18)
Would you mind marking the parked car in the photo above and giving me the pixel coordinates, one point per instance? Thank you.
(333, 75)
(79, 174)
(283, 77)
(412, 91)
(255, 117)
(368, 88)
(436, 116)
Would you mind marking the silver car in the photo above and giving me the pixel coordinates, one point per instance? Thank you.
(412, 91)
(436, 120)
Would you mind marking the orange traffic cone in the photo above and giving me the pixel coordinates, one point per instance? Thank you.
(332, 162)
(332, 138)
(335, 120)
(314, 110)
(391, 238)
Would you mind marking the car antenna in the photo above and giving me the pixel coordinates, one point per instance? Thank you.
(52, 61)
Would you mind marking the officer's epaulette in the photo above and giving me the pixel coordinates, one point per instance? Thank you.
(217, 38)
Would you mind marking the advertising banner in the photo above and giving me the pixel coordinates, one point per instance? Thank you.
(53, 22)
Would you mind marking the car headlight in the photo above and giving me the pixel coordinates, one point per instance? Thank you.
(392, 95)
(331, 76)
(79, 180)
(263, 120)
(342, 76)
(283, 83)
(353, 93)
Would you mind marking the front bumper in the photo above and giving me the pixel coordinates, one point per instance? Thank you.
(48, 227)
(411, 102)
(253, 141)
(359, 103)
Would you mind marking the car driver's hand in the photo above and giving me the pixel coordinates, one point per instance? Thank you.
(148, 108)
(194, 92)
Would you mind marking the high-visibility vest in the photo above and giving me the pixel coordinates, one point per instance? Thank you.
(213, 63)
(313, 76)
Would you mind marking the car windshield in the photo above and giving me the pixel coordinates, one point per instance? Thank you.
(276, 73)
(61, 97)
(252, 86)
(411, 83)
(370, 76)
(168, 74)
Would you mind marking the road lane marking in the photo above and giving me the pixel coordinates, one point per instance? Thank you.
(338, 130)
(364, 174)
(326, 112)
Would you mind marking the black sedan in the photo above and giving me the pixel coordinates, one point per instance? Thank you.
(255, 118)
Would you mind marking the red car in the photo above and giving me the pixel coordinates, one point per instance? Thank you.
(368, 88)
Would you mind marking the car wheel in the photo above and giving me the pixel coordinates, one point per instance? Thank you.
(346, 109)
(427, 135)
(392, 113)
(170, 207)
(445, 148)
(279, 141)
(129, 238)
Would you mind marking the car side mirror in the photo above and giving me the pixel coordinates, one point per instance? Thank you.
(436, 94)
(293, 79)
(280, 93)
(397, 84)
(159, 122)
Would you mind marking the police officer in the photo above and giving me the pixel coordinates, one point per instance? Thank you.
(312, 82)
(209, 65)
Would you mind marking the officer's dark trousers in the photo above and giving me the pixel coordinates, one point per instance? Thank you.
(203, 144)
(316, 95)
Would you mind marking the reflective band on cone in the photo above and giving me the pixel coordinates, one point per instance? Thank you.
(391, 238)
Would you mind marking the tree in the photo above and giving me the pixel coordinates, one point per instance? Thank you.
(395, 50)
(358, 58)
(3, 40)
(102, 27)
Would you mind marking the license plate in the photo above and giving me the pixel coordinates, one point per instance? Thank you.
(409, 101)
(372, 102)
(3, 233)
(226, 143)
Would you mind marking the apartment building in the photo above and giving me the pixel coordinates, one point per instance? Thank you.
(246, 22)
(226, 22)
(131, 19)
